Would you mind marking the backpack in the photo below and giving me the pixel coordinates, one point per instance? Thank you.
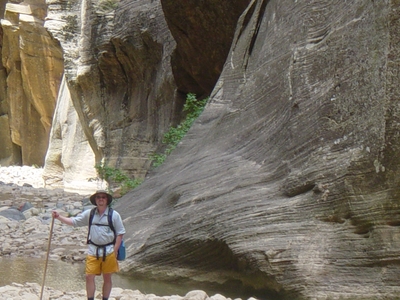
(110, 224)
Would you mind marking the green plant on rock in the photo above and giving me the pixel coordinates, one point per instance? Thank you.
(193, 108)
(107, 5)
(158, 159)
(115, 177)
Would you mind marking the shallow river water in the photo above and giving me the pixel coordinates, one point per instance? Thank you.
(70, 277)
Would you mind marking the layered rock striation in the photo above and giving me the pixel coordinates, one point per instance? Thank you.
(288, 182)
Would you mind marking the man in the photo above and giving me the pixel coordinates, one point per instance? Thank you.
(100, 259)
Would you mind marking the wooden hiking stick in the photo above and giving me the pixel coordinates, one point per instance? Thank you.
(47, 257)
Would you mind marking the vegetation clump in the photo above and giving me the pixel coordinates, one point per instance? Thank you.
(115, 177)
(193, 108)
(108, 5)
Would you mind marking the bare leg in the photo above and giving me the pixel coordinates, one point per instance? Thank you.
(90, 285)
(107, 285)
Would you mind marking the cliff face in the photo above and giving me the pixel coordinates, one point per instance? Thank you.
(31, 73)
(126, 79)
(120, 86)
(287, 183)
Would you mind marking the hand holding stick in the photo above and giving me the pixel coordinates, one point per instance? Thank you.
(47, 257)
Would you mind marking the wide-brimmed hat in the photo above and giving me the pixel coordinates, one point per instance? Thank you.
(93, 197)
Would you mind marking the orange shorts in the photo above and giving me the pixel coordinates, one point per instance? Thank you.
(98, 266)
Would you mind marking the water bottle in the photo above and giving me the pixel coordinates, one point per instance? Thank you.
(121, 251)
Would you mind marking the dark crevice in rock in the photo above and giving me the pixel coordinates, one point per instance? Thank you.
(259, 20)
(246, 19)
(203, 31)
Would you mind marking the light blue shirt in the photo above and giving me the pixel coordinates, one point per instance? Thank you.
(100, 235)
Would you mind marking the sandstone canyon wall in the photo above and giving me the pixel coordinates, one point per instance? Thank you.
(125, 76)
(287, 183)
(119, 85)
(31, 73)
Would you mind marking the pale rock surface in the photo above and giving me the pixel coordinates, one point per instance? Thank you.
(22, 175)
(70, 161)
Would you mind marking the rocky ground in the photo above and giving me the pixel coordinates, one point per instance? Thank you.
(25, 222)
(32, 291)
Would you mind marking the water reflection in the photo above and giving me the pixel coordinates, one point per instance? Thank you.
(59, 275)
(70, 277)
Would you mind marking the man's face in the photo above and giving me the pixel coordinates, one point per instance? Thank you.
(101, 199)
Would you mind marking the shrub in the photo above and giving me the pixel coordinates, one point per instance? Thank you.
(115, 177)
(107, 5)
(193, 108)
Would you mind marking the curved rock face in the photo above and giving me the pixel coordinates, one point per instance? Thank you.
(120, 82)
(33, 66)
(289, 181)
(119, 89)
(69, 160)
(126, 78)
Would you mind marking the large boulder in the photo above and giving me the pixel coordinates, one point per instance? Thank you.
(12, 213)
(289, 181)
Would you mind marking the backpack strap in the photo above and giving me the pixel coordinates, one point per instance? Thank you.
(92, 212)
(111, 224)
